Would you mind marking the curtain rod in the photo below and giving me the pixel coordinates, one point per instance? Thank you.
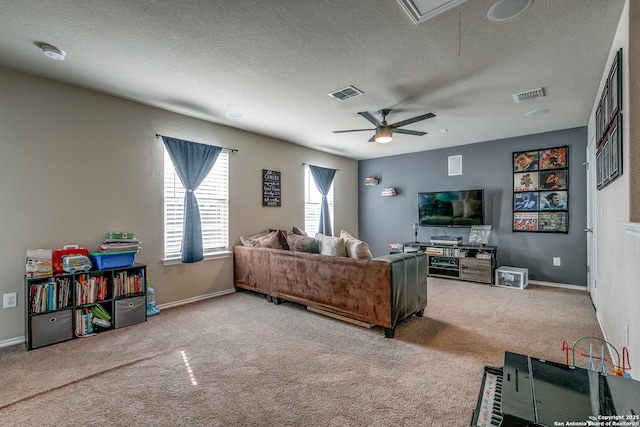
(316, 165)
(233, 150)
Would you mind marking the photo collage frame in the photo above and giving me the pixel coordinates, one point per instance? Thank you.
(541, 190)
(609, 127)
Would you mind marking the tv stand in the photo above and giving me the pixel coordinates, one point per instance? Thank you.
(473, 263)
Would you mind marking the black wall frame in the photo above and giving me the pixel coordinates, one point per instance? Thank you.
(541, 190)
(609, 127)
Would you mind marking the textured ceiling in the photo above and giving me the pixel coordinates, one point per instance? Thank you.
(276, 61)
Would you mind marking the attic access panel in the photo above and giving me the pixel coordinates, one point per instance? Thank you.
(421, 10)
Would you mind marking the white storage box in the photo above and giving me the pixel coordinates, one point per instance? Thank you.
(512, 277)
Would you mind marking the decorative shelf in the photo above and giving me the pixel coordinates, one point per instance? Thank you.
(372, 180)
(389, 192)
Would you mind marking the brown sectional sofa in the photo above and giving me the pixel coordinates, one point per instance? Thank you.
(382, 291)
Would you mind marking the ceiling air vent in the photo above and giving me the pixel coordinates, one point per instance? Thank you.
(346, 93)
(528, 95)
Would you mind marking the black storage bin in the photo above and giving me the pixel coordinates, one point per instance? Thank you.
(130, 311)
(51, 328)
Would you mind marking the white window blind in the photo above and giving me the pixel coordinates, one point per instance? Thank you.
(213, 202)
(312, 199)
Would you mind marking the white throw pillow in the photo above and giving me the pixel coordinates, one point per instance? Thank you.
(355, 248)
(329, 245)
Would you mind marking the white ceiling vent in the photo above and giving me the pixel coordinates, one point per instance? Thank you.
(528, 95)
(345, 93)
(421, 10)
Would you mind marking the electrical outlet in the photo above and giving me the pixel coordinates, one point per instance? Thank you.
(556, 261)
(10, 300)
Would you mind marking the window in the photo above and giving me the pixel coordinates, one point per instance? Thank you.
(213, 202)
(312, 199)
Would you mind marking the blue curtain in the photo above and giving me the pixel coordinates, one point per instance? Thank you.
(323, 178)
(192, 162)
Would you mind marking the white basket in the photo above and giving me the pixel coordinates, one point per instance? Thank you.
(512, 277)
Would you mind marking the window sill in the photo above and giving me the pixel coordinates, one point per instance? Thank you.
(217, 255)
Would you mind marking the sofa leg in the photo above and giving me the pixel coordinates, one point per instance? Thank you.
(420, 312)
(269, 298)
(276, 300)
(389, 332)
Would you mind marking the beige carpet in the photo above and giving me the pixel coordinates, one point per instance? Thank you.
(238, 360)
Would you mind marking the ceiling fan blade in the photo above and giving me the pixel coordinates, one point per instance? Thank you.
(351, 130)
(413, 120)
(373, 138)
(367, 115)
(409, 132)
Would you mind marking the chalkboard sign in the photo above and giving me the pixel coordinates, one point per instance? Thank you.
(270, 188)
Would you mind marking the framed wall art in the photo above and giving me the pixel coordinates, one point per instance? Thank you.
(609, 155)
(608, 124)
(541, 190)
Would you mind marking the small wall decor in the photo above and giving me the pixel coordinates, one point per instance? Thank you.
(389, 192)
(541, 190)
(271, 194)
(372, 180)
(609, 127)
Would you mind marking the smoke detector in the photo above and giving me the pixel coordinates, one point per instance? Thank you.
(53, 52)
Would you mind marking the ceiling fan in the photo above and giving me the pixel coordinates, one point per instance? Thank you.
(384, 131)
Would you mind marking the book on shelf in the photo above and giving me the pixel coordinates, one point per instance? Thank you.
(388, 192)
(120, 245)
(125, 284)
(51, 295)
(434, 251)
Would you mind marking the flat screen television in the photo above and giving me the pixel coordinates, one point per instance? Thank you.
(451, 208)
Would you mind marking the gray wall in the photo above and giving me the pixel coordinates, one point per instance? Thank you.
(488, 166)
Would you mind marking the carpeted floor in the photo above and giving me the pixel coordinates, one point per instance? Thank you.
(239, 360)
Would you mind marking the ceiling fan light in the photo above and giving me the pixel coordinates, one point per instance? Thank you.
(383, 135)
(504, 10)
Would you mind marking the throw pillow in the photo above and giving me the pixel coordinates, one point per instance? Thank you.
(255, 239)
(356, 248)
(302, 243)
(277, 240)
(299, 231)
(329, 245)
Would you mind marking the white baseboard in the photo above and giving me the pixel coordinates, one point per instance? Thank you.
(558, 285)
(13, 341)
(195, 299)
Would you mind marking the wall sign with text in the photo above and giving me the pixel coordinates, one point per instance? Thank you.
(271, 192)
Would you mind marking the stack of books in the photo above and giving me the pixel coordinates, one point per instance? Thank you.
(372, 180)
(120, 242)
(387, 192)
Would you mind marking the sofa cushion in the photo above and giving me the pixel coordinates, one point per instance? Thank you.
(275, 240)
(355, 248)
(329, 245)
(302, 243)
(255, 239)
(299, 231)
